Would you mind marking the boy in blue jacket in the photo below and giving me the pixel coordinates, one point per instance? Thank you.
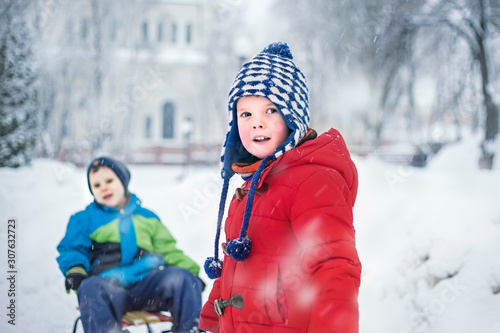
(119, 257)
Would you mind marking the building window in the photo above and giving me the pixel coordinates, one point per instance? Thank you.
(147, 129)
(160, 32)
(168, 121)
(174, 33)
(144, 29)
(112, 32)
(188, 33)
(85, 29)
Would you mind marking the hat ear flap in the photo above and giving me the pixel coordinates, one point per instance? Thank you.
(234, 151)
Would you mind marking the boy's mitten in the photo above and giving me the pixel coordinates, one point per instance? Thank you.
(74, 277)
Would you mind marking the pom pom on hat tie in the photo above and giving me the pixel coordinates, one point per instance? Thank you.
(239, 249)
(213, 267)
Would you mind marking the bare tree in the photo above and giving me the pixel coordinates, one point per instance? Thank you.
(323, 39)
(412, 26)
(399, 42)
(76, 49)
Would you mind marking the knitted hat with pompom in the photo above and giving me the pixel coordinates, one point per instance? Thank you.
(271, 74)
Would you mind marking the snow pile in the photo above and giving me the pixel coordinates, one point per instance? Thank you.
(428, 241)
(427, 238)
(41, 199)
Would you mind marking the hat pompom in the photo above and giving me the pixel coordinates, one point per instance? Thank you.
(239, 249)
(213, 267)
(280, 49)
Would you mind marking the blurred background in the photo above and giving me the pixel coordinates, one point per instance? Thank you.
(413, 86)
(147, 80)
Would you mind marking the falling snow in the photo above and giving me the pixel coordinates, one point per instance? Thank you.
(428, 241)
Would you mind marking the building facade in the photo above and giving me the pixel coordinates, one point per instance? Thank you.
(131, 80)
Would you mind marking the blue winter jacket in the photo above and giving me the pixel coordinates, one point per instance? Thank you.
(121, 245)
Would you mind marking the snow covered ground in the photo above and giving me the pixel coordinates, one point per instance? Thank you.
(428, 239)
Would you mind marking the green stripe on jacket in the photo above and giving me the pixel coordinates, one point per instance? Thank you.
(152, 236)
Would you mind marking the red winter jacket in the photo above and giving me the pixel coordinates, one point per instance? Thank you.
(303, 272)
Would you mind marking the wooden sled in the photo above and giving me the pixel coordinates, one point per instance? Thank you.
(137, 318)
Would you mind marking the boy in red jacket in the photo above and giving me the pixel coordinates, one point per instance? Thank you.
(290, 261)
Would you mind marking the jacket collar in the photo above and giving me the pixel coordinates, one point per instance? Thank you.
(248, 167)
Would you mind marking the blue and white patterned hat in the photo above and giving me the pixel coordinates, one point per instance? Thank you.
(271, 74)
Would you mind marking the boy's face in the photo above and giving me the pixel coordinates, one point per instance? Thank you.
(260, 125)
(107, 188)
